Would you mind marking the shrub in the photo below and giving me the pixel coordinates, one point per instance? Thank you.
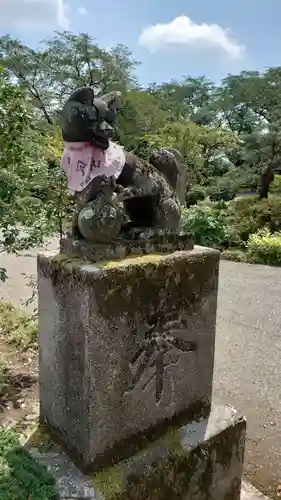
(209, 181)
(219, 166)
(21, 477)
(264, 247)
(205, 223)
(249, 214)
(225, 191)
(275, 187)
(195, 194)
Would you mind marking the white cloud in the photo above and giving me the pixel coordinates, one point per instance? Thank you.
(183, 31)
(82, 11)
(33, 14)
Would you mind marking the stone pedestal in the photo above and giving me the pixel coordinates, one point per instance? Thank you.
(126, 347)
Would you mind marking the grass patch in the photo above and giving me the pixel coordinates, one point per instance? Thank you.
(17, 327)
(21, 478)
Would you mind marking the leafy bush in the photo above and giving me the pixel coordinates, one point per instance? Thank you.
(209, 180)
(247, 215)
(275, 187)
(208, 223)
(195, 194)
(219, 166)
(225, 190)
(205, 223)
(242, 177)
(264, 247)
(21, 478)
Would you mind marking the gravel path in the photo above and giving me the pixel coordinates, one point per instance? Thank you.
(248, 363)
(19, 268)
(248, 354)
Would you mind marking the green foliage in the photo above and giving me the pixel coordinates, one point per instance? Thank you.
(264, 247)
(195, 194)
(33, 187)
(21, 478)
(62, 63)
(275, 187)
(141, 115)
(17, 327)
(206, 223)
(242, 178)
(225, 190)
(188, 99)
(196, 143)
(248, 215)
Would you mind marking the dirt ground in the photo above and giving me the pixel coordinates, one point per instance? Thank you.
(19, 401)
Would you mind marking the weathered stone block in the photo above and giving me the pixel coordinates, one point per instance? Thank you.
(124, 346)
(202, 460)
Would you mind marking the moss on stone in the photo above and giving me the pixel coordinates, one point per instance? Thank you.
(133, 261)
(109, 482)
(41, 439)
(65, 262)
(62, 259)
(112, 481)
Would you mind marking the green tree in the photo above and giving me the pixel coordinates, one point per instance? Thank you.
(197, 144)
(141, 114)
(64, 63)
(189, 99)
(28, 166)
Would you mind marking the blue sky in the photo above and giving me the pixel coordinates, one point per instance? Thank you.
(171, 39)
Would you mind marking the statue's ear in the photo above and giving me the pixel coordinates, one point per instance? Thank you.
(112, 99)
(84, 95)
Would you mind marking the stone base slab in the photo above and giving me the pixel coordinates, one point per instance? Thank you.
(202, 460)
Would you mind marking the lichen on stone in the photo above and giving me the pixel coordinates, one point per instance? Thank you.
(113, 481)
(41, 439)
(137, 260)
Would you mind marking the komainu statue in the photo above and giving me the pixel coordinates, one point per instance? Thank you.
(117, 193)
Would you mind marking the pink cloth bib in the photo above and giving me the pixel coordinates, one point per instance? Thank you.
(82, 162)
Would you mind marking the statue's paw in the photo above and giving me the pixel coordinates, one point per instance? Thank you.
(107, 181)
(100, 222)
(168, 214)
